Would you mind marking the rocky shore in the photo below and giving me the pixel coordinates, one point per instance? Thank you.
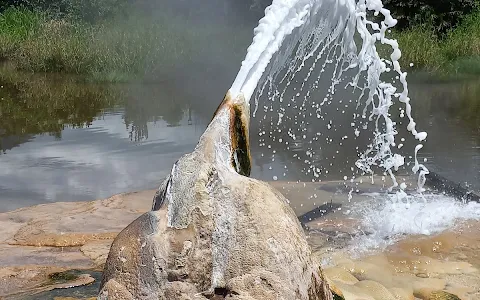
(57, 246)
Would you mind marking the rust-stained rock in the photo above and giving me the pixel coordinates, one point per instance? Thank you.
(214, 233)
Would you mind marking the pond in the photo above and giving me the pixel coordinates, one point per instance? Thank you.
(64, 139)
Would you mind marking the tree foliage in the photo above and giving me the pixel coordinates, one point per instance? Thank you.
(442, 15)
(85, 10)
(95, 10)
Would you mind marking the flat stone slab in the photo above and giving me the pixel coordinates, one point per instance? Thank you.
(49, 238)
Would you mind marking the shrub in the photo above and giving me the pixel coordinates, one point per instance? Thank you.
(420, 46)
(443, 15)
(19, 23)
(16, 25)
(456, 52)
(464, 40)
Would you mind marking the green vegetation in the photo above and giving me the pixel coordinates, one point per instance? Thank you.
(111, 40)
(106, 44)
(442, 15)
(109, 50)
(457, 52)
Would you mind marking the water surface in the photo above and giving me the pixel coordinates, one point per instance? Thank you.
(63, 139)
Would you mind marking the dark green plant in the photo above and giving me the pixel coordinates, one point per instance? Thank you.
(19, 22)
(442, 15)
(92, 11)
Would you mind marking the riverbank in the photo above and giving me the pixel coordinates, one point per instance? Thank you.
(453, 54)
(139, 46)
(121, 48)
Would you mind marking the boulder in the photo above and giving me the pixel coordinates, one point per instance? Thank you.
(213, 232)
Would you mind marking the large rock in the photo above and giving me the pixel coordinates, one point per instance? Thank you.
(214, 233)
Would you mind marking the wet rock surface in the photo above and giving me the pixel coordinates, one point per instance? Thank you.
(39, 241)
(452, 257)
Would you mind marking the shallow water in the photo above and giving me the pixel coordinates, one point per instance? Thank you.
(66, 140)
(376, 246)
(414, 265)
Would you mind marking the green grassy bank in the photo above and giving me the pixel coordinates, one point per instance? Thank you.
(122, 47)
(114, 49)
(455, 53)
(36, 42)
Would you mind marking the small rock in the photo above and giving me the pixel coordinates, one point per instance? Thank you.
(375, 289)
(402, 294)
(340, 275)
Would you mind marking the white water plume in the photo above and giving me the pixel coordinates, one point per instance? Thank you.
(308, 37)
(388, 218)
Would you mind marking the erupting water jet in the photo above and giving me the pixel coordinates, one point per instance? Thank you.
(308, 36)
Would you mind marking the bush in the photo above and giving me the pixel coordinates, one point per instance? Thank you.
(152, 43)
(58, 46)
(129, 48)
(420, 46)
(19, 23)
(119, 49)
(89, 11)
(16, 25)
(464, 40)
(457, 51)
(442, 15)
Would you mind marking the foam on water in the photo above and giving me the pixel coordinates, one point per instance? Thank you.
(307, 36)
(388, 218)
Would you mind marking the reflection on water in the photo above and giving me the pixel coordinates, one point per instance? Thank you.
(318, 140)
(451, 114)
(32, 105)
(141, 109)
(65, 140)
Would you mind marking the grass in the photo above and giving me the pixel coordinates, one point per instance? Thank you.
(457, 53)
(122, 49)
(112, 50)
(16, 25)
